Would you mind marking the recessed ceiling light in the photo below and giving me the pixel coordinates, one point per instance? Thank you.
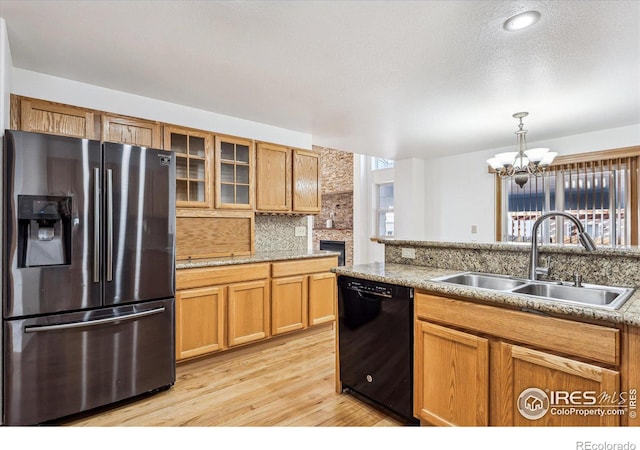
(521, 21)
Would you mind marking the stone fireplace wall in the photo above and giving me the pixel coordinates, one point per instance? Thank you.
(337, 198)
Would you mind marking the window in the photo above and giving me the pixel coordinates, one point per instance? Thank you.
(598, 191)
(381, 163)
(384, 209)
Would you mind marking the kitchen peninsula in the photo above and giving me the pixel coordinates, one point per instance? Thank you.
(484, 347)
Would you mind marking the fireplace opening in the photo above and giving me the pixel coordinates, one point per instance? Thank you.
(335, 246)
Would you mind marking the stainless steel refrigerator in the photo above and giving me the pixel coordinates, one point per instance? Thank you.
(88, 274)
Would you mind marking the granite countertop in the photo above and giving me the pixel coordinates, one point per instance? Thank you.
(422, 278)
(253, 258)
(630, 251)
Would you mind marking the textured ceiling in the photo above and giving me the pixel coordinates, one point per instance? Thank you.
(390, 78)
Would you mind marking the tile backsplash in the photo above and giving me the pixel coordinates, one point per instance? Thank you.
(275, 233)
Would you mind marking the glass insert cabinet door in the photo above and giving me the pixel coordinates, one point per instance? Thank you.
(234, 173)
(193, 151)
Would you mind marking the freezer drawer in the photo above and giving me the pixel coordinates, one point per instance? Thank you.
(59, 365)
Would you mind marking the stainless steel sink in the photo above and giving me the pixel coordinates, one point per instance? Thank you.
(484, 281)
(610, 297)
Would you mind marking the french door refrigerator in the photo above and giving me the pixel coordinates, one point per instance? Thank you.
(88, 274)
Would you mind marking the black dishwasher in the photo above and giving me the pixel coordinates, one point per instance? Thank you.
(375, 332)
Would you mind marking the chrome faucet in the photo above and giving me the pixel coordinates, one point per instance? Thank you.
(583, 237)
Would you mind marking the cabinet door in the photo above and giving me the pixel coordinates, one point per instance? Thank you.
(199, 321)
(322, 298)
(128, 130)
(288, 304)
(541, 389)
(248, 312)
(273, 178)
(47, 117)
(193, 153)
(234, 173)
(451, 376)
(306, 181)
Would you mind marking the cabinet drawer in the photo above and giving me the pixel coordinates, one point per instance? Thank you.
(302, 266)
(584, 340)
(211, 276)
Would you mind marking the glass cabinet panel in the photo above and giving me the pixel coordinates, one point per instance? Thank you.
(191, 154)
(234, 173)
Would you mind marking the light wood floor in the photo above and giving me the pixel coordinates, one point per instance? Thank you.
(283, 383)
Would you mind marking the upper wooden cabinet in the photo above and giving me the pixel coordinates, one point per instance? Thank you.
(273, 178)
(193, 151)
(234, 163)
(288, 180)
(47, 117)
(306, 181)
(128, 130)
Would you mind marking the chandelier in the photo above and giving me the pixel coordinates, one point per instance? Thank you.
(522, 163)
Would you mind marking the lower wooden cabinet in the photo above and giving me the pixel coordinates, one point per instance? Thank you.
(248, 312)
(573, 385)
(452, 380)
(303, 293)
(225, 306)
(199, 321)
(470, 369)
(289, 304)
(322, 298)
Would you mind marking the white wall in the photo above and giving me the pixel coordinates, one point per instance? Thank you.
(408, 199)
(6, 64)
(48, 87)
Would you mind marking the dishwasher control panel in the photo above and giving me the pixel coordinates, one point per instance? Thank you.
(376, 288)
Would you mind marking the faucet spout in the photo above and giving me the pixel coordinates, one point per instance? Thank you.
(583, 237)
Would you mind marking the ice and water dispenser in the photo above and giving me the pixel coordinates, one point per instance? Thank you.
(44, 231)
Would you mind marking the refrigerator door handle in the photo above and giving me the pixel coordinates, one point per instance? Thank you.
(91, 323)
(109, 225)
(96, 225)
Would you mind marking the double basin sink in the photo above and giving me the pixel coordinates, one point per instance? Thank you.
(610, 297)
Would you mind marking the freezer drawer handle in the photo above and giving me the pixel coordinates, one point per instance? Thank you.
(91, 323)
